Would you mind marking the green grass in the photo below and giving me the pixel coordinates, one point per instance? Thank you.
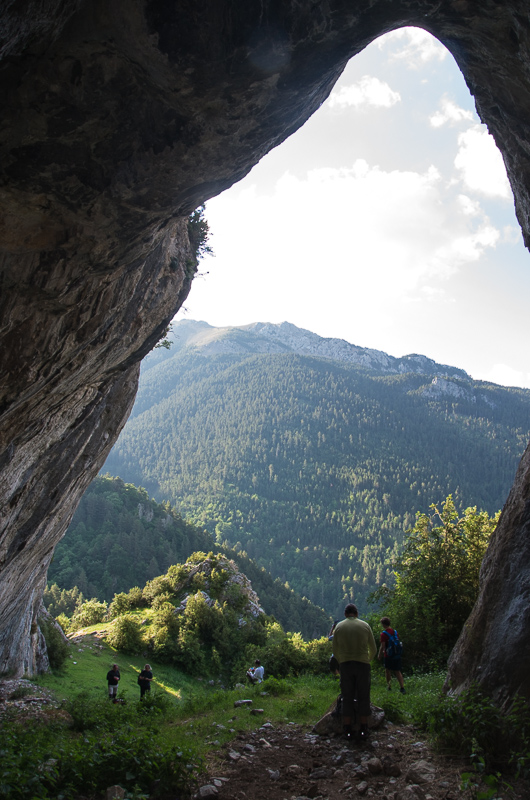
(422, 692)
(196, 707)
(184, 722)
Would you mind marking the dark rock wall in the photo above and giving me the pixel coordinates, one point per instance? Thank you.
(493, 647)
(118, 119)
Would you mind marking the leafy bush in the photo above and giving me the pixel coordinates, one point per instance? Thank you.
(278, 687)
(88, 712)
(190, 655)
(56, 644)
(120, 744)
(120, 604)
(160, 585)
(64, 622)
(89, 613)
(136, 598)
(162, 600)
(471, 725)
(125, 634)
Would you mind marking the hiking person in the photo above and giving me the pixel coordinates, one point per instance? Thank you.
(390, 651)
(354, 648)
(113, 678)
(144, 680)
(255, 673)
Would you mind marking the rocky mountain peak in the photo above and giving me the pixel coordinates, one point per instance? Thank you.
(284, 337)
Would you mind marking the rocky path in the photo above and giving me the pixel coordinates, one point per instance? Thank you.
(293, 763)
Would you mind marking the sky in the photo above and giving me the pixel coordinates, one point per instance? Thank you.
(387, 220)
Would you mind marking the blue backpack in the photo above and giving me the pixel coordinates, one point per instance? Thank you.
(394, 647)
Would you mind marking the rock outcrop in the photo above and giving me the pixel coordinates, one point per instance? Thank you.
(118, 119)
(493, 636)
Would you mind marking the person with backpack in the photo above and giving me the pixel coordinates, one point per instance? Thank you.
(390, 650)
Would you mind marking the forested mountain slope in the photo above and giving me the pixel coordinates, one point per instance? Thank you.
(120, 538)
(312, 455)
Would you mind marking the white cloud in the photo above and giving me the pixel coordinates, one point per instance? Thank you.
(369, 242)
(450, 113)
(396, 257)
(469, 206)
(369, 91)
(414, 45)
(506, 376)
(512, 234)
(480, 163)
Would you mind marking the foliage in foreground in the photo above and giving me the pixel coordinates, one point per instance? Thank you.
(437, 581)
(56, 643)
(471, 725)
(159, 738)
(119, 745)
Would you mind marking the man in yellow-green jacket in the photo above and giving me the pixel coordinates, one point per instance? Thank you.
(354, 648)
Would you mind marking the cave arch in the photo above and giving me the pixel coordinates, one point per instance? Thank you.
(338, 205)
(118, 121)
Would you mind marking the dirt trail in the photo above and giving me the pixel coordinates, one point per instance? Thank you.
(292, 763)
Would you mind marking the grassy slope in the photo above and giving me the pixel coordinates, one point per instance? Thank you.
(199, 708)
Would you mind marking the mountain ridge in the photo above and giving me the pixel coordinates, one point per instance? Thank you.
(284, 337)
(314, 467)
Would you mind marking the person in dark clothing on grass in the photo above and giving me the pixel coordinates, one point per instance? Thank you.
(113, 678)
(144, 680)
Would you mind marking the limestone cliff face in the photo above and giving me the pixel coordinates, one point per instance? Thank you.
(117, 120)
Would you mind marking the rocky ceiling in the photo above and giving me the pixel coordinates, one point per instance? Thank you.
(120, 118)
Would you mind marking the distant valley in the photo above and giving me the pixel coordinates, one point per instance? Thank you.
(313, 455)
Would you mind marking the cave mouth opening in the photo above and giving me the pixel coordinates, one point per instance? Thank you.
(386, 220)
(394, 194)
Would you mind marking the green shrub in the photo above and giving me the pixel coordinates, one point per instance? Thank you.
(190, 655)
(218, 580)
(120, 604)
(126, 635)
(119, 745)
(163, 600)
(56, 644)
(160, 585)
(89, 613)
(155, 702)
(278, 687)
(471, 725)
(64, 622)
(136, 598)
(88, 712)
